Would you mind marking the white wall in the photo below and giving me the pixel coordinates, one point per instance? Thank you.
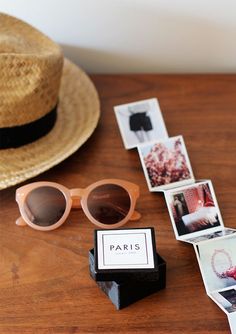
(109, 36)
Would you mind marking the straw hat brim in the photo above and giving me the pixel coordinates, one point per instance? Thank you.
(78, 114)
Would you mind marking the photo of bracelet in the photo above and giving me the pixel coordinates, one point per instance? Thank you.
(217, 261)
(224, 260)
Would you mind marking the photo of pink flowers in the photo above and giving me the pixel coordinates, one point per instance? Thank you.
(166, 163)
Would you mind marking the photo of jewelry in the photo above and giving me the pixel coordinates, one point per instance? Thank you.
(224, 268)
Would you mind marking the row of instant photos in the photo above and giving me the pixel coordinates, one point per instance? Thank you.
(192, 204)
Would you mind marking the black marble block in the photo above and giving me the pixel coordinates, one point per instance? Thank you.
(124, 292)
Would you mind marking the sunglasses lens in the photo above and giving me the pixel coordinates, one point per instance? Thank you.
(109, 204)
(44, 206)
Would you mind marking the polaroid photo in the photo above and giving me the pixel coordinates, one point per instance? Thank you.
(218, 234)
(193, 210)
(217, 262)
(232, 322)
(225, 299)
(140, 122)
(165, 163)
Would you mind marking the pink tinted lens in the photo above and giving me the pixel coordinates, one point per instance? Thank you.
(109, 203)
(44, 206)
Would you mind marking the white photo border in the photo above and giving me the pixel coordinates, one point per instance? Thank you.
(232, 322)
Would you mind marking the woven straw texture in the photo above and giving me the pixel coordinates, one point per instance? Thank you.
(78, 114)
(30, 67)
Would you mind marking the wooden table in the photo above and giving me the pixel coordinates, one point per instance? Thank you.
(44, 280)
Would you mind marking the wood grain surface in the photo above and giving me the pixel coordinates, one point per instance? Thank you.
(45, 285)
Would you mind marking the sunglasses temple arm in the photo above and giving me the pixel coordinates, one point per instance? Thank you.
(135, 216)
(20, 222)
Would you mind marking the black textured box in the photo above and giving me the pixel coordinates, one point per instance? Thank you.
(128, 273)
(125, 292)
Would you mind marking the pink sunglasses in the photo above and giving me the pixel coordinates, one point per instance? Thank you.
(107, 203)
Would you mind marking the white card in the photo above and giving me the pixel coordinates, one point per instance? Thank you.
(125, 249)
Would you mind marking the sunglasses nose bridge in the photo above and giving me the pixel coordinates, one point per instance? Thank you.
(76, 195)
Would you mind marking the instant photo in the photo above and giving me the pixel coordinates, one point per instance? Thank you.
(218, 234)
(194, 211)
(217, 261)
(166, 163)
(225, 299)
(140, 122)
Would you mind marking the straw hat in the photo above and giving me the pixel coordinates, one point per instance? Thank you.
(48, 106)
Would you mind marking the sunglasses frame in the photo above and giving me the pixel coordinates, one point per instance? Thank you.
(76, 198)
